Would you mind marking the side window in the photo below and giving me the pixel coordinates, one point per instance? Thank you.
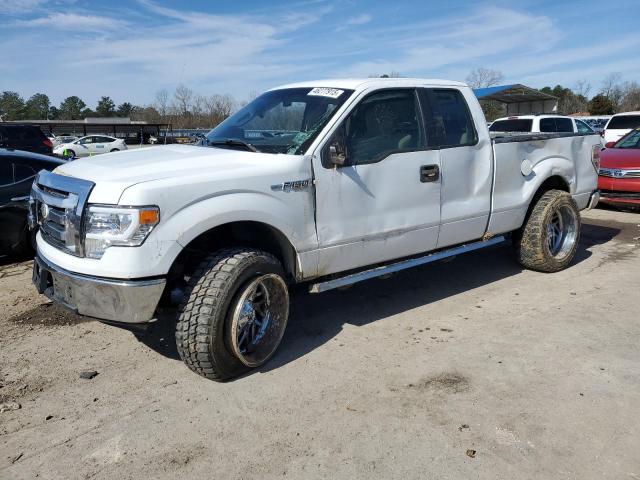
(564, 125)
(548, 125)
(384, 123)
(22, 172)
(104, 139)
(583, 127)
(6, 172)
(86, 141)
(448, 122)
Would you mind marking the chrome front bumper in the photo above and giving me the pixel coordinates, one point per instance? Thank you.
(127, 301)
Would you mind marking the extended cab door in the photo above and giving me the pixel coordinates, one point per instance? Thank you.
(466, 159)
(384, 201)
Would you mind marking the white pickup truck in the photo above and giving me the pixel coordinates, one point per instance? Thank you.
(327, 183)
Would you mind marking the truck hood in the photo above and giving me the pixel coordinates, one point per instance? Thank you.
(114, 172)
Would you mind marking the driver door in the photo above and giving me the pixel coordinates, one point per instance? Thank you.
(383, 203)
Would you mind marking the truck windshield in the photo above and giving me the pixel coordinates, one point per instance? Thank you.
(279, 121)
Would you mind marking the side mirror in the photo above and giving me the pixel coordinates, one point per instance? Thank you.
(335, 153)
(609, 144)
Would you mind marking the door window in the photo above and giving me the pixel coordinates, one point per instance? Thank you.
(87, 140)
(448, 121)
(384, 123)
(103, 139)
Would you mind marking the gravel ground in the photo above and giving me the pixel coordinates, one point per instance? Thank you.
(468, 369)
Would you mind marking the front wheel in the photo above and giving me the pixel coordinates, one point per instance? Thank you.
(549, 238)
(114, 150)
(234, 315)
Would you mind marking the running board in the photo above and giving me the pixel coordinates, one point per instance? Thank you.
(403, 265)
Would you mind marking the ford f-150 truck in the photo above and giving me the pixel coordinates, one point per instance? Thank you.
(327, 183)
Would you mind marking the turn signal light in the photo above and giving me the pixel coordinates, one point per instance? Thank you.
(149, 217)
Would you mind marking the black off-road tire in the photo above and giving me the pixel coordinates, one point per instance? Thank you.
(202, 332)
(530, 241)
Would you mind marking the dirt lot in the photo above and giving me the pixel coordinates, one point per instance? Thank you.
(402, 378)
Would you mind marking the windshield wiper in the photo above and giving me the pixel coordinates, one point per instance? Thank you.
(233, 143)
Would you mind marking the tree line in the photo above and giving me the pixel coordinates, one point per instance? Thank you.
(184, 108)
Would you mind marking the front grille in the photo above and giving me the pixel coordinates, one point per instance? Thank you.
(56, 205)
(619, 173)
(619, 194)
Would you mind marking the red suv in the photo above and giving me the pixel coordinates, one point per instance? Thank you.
(619, 176)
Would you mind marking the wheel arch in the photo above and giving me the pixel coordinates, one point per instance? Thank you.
(242, 233)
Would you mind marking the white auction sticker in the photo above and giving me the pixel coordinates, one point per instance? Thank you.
(326, 92)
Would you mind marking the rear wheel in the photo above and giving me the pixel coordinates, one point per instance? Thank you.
(549, 238)
(114, 150)
(235, 313)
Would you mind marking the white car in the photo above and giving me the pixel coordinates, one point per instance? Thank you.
(540, 124)
(90, 145)
(619, 125)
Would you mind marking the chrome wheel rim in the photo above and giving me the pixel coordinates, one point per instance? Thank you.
(259, 319)
(562, 230)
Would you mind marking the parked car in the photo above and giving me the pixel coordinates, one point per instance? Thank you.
(619, 125)
(540, 123)
(60, 139)
(90, 145)
(17, 171)
(619, 176)
(28, 138)
(355, 179)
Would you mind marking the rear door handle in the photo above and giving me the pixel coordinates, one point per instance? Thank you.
(429, 173)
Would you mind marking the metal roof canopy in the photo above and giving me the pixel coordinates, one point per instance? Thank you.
(519, 99)
(515, 93)
(90, 126)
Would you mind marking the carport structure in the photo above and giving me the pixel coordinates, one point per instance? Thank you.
(120, 127)
(519, 99)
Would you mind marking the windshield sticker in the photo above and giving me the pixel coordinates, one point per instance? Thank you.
(326, 92)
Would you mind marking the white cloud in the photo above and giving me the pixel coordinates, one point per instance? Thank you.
(11, 7)
(359, 20)
(73, 22)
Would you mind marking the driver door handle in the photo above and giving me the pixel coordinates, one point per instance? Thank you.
(429, 173)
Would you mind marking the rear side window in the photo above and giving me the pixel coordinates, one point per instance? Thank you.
(624, 122)
(548, 125)
(516, 125)
(448, 122)
(564, 125)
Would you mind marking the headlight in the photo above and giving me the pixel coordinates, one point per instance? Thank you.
(117, 226)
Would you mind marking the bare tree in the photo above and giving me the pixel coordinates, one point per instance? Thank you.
(582, 88)
(484, 77)
(161, 103)
(182, 98)
(630, 99)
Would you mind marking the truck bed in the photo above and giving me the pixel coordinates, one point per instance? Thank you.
(566, 157)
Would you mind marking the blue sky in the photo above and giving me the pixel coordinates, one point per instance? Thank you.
(131, 49)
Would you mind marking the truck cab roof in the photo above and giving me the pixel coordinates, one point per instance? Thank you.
(365, 83)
